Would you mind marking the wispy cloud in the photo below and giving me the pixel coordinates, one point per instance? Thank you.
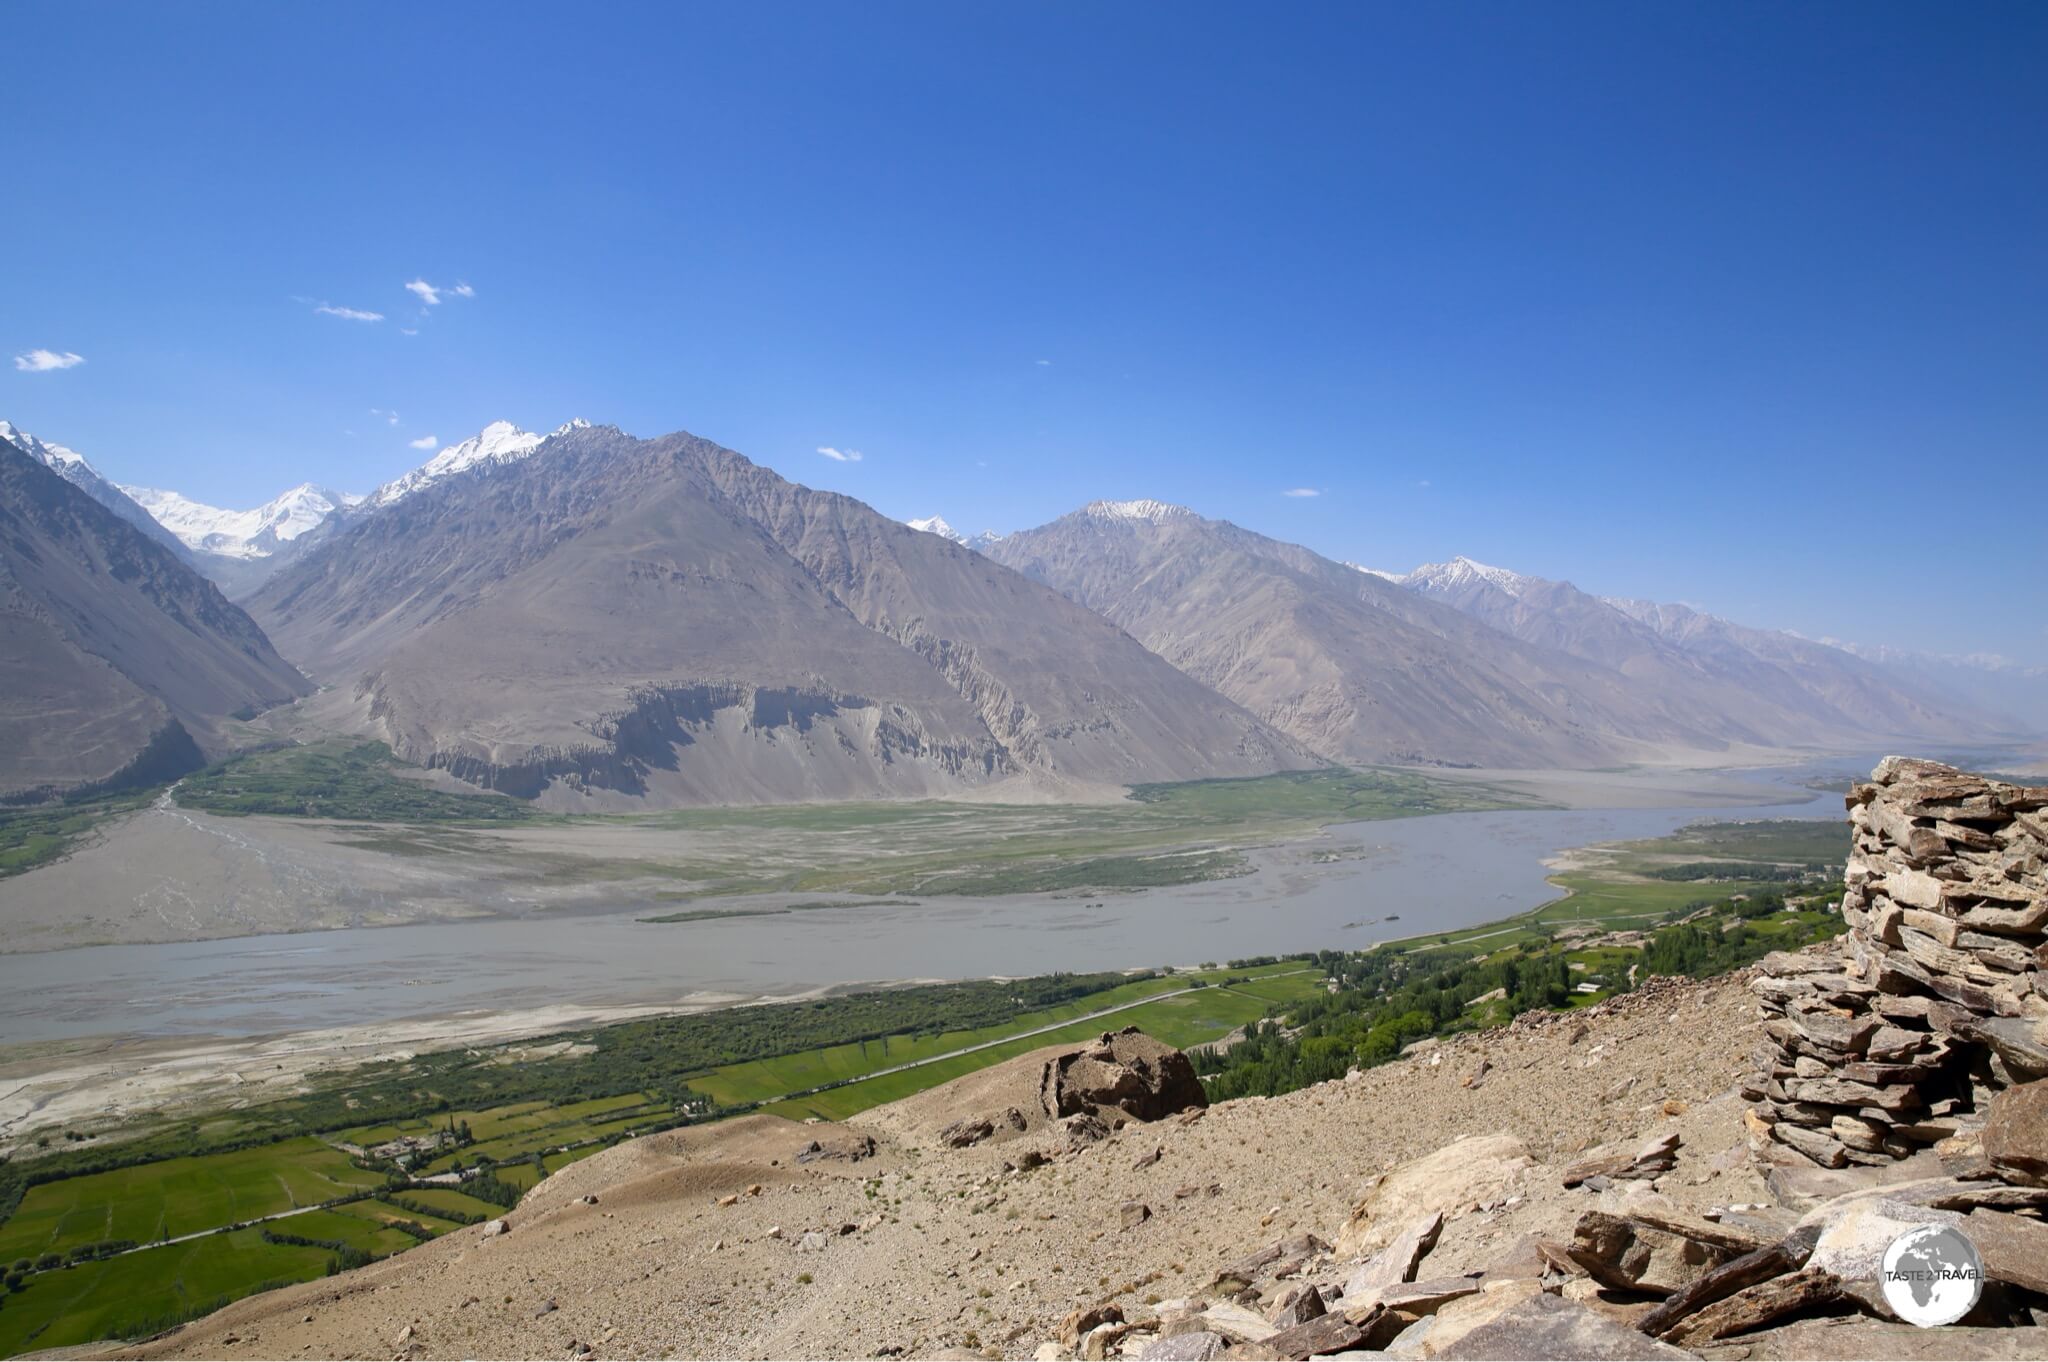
(424, 442)
(463, 291)
(408, 330)
(840, 455)
(427, 293)
(1302, 492)
(44, 361)
(1043, 363)
(390, 417)
(353, 314)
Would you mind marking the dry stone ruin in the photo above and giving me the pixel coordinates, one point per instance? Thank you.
(1936, 997)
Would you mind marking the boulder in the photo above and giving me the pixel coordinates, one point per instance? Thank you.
(1457, 1318)
(967, 1131)
(1236, 1323)
(1542, 1328)
(1628, 1255)
(1298, 1306)
(1426, 1297)
(2014, 1248)
(1277, 1259)
(1087, 1318)
(1202, 1345)
(1476, 1169)
(1856, 1231)
(2016, 1134)
(1757, 1305)
(1126, 1071)
(1394, 1264)
(1652, 1157)
(1851, 1337)
(1324, 1334)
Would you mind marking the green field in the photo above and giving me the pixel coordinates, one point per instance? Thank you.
(1191, 1019)
(336, 779)
(36, 834)
(448, 1199)
(1779, 841)
(1616, 892)
(510, 1121)
(173, 1197)
(764, 1080)
(142, 1292)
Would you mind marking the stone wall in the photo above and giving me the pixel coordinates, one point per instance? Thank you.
(1936, 997)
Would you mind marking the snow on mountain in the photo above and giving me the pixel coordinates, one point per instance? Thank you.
(1667, 619)
(1397, 578)
(72, 466)
(496, 444)
(1153, 512)
(1462, 572)
(937, 525)
(49, 455)
(242, 534)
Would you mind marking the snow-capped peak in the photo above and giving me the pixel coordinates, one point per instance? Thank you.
(242, 534)
(1463, 572)
(1152, 512)
(500, 442)
(49, 455)
(937, 525)
(1395, 577)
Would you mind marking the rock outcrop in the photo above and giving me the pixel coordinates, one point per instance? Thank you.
(1935, 1001)
(1125, 1071)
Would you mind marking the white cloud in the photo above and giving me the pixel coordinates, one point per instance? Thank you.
(424, 442)
(464, 291)
(390, 417)
(1302, 492)
(840, 455)
(1043, 363)
(428, 294)
(408, 331)
(43, 361)
(353, 314)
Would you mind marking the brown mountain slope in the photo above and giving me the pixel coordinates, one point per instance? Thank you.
(1757, 684)
(111, 648)
(663, 620)
(1353, 666)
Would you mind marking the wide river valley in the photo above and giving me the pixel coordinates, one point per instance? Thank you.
(1394, 878)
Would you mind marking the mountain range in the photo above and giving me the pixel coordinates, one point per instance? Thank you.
(119, 664)
(616, 618)
(1455, 662)
(602, 621)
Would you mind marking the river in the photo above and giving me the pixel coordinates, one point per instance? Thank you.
(1432, 874)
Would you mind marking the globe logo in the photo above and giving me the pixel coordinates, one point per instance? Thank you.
(1931, 1275)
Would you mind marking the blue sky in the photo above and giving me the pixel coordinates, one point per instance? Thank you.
(1745, 306)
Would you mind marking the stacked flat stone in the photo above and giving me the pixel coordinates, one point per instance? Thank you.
(1936, 997)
